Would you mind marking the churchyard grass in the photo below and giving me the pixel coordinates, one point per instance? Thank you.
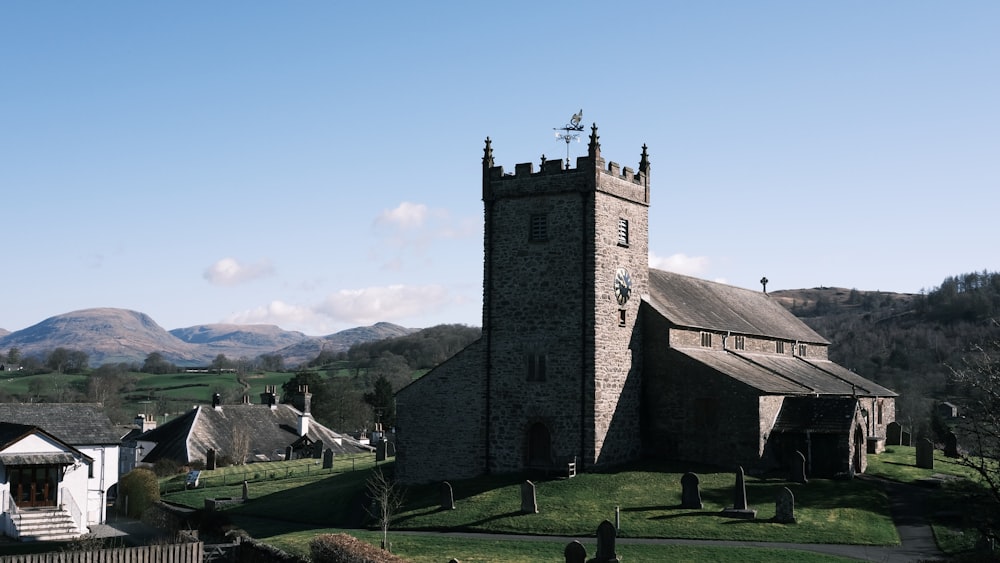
(420, 548)
(953, 534)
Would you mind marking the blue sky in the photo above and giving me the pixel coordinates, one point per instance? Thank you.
(316, 165)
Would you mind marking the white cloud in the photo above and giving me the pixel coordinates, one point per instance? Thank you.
(390, 303)
(230, 272)
(679, 263)
(405, 216)
(350, 308)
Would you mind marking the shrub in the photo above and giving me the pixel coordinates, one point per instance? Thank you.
(138, 489)
(166, 467)
(342, 548)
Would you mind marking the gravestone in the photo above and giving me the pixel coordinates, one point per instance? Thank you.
(317, 449)
(951, 445)
(381, 450)
(529, 504)
(893, 434)
(447, 496)
(606, 535)
(905, 439)
(798, 472)
(288, 453)
(690, 494)
(575, 552)
(925, 454)
(784, 506)
(328, 459)
(210, 459)
(246, 491)
(740, 509)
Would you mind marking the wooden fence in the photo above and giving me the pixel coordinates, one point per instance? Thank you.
(192, 552)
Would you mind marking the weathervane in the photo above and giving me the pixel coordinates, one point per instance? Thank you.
(570, 132)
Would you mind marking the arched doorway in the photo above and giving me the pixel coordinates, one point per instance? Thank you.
(858, 460)
(539, 445)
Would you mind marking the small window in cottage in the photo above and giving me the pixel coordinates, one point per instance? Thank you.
(802, 350)
(622, 232)
(539, 229)
(779, 347)
(739, 342)
(706, 339)
(90, 470)
(878, 411)
(536, 367)
(621, 317)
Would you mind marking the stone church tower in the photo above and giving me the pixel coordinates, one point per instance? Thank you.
(565, 269)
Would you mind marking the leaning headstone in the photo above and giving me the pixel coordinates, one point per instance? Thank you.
(246, 491)
(606, 535)
(690, 495)
(893, 434)
(328, 459)
(740, 508)
(951, 445)
(447, 496)
(925, 454)
(575, 552)
(784, 506)
(905, 439)
(798, 472)
(380, 451)
(317, 449)
(210, 459)
(288, 453)
(529, 504)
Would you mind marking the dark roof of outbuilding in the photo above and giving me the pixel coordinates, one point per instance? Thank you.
(77, 424)
(821, 415)
(787, 375)
(189, 437)
(701, 304)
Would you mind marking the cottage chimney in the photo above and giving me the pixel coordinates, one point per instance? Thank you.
(144, 424)
(303, 401)
(217, 402)
(267, 397)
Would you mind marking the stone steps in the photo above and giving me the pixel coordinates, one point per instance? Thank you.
(45, 525)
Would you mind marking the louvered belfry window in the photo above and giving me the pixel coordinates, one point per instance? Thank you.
(623, 232)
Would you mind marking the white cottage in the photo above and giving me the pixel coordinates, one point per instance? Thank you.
(88, 432)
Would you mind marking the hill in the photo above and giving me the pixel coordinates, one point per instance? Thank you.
(109, 335)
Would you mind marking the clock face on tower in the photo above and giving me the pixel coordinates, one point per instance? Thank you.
(623, 286)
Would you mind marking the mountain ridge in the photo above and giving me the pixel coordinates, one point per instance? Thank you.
(111, 335)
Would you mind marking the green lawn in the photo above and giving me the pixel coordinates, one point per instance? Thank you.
(828, 511)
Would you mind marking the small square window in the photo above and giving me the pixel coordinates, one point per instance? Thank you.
(706, 339)
(739, 342)
(802, 350)
(622, 232)
(779, 347)
(539, 229)
(536, 367)
(621, 317)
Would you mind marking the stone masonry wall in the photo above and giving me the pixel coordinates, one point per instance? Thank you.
(440, 421)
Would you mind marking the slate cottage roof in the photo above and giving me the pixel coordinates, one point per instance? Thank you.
(188, 437)
(77, 424)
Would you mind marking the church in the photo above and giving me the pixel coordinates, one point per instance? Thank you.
(589, 356)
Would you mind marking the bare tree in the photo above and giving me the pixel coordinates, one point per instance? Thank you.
(241, 445)
(386, 499)
(979, 432)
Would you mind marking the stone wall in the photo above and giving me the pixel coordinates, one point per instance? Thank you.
(440, 421)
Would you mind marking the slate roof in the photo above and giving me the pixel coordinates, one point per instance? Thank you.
(77, 424)
(189, 437)
(701, 304)
(775, 374)
(819, 415)
(11, 433)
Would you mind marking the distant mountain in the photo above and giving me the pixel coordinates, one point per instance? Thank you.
(307, 350)
(110, 335)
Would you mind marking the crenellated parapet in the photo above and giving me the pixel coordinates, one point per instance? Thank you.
(591, 172)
